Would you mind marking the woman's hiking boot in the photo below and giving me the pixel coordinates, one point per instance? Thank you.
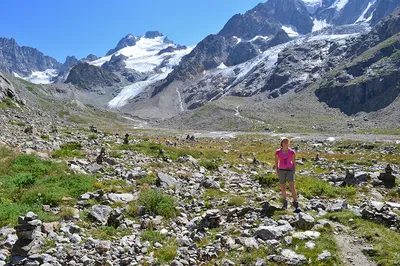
(296, 206)
(284, 204)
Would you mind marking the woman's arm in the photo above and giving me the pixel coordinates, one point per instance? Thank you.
(276, 163)
(294, 162)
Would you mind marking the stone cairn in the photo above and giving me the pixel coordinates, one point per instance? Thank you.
(29, 241)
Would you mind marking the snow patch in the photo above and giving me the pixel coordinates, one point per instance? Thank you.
(339, 4)
(180, 100)
(290, 31)
(331, 139)
(361, 18)
(238, 40)
(319, 24)
(131, 91)
(40, 77)
(143, 56)
(259, 36)
(222, 66)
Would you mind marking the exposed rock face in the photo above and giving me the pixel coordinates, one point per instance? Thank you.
(23, 60)
(6, 88)
(90, 58)
(241, 53)
(128, 40)
(266, 19)
(116, 63)
(153, 34)
(89, 77)
(208, 54)
(369, 82)
(63, 71)
(383, 8)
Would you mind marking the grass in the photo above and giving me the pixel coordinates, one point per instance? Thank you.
(167, 252)
(386, 243)
(28, 182)
(310, 187)
(236, 201)
(17, 123)
(109, 233)
(153, 149)
(92, 136)
(7, 103)
(324, 242)
(152, 236)
(45, 137)
(69, 150)
(157, 202)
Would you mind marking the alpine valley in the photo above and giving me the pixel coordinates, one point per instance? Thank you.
(272, 68)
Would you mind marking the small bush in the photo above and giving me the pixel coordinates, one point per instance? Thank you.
(150, 179)
(152, 236)
(167, 253)
(67, 213)
(236, 201)
(68, 150)
(210, 165)
(23, 180)
(132, 209)
(116, 154)
(157, 202)
(44, 136)
(92, 136)
(268, 179)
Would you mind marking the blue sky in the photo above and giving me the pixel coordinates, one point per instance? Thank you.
(79, 27)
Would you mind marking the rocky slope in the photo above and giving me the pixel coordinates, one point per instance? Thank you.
(223, 206)
(23, 60)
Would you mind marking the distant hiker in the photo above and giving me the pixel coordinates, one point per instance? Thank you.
(285, 165)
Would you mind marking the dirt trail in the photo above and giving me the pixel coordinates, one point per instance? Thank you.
(350, 248)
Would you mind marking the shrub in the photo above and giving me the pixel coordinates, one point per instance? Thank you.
(92, 136)
(23, 180)
(157, 202)
(152, 236)
(69, 150)
(236, 201)
(167, 253)
(267, 179)
(44, 136)
(67, 213)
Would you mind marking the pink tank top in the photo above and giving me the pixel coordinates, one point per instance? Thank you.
(285, 159)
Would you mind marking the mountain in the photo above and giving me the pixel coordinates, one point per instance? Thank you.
(24, 61)
(370, 80)
(266, 59)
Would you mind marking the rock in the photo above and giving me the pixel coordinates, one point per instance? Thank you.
(268, 208)
(389, 180)
(211, 219)
(303, 221)
(292, 258)
(210, 183)
(103, 246)
(306, 235)
(356, 178)
(310, 245)
(338, 205)
(166, 180)
(272, 232)
(49, 227)
(100, 213)
(324, 255)
(75, 238)
(124, 198)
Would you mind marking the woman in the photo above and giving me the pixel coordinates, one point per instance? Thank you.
(285, 165)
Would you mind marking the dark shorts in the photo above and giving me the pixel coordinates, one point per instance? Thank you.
(285, 175)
